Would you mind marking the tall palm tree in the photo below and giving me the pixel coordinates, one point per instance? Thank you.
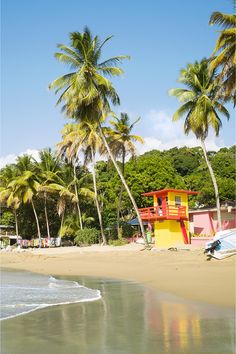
(86, 91)
(92, 143)
(121, 142)
(224, 56)
(47, 168)
(201, 109)
(83, 137)
(69, 149)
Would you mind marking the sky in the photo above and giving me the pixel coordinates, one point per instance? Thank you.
(160, 36)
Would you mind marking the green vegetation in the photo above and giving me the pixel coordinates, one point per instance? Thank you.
(183, 168)
(86, 237)
(61, 196)
(224, 54)
(201, 109)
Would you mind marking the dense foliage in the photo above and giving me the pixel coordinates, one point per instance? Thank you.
(182, 168)
(57, 196)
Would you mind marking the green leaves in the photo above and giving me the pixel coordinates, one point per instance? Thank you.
(200, 108)
(225, 61)
(86, 92)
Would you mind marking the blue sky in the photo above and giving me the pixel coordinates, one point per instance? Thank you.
(160, 36)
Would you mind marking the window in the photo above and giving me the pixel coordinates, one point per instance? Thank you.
(177, 201)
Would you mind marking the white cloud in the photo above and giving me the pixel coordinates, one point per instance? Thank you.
(32, 152)
(166, 134)
(158, 132)
(6, 160)
(11, 158)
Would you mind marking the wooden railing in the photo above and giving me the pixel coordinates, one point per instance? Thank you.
(168, 212)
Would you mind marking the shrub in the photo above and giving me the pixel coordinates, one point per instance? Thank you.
(126, 230)
(86, 237)
(119, 242)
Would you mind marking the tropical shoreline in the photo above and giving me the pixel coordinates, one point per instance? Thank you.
(185, 272)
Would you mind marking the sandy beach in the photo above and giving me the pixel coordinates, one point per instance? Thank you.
(185, 272)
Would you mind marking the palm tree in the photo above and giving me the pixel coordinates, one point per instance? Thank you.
(25, 188)
(200, 109)
(47, 168)
(92, 144)
(86, 92)
(83, 137)
(225, 59)
(69, 149)
(121, 142)
(63, 185)
(8, 174)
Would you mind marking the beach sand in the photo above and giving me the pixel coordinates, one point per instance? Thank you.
(185, 272)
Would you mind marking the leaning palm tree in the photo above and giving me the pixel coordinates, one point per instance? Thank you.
(86, 91)
(25, 188)
(223, 56)
(121, 142)
(201, 109)
(63, 186)
(8, 174)
(11, 201)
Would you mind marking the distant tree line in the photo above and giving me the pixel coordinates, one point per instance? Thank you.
(180, 168)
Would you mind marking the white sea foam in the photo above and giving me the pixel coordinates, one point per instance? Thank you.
(24, 292)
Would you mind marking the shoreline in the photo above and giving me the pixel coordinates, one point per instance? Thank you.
(185, 272)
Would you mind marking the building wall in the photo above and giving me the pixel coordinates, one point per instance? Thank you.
(205, 223)
(168, 233)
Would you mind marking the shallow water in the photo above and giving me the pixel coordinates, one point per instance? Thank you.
(23, 292)
(128, 319)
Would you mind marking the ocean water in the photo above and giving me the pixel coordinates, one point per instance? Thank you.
(129, 318)
(23, 292)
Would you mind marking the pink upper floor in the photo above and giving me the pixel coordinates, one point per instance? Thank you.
(205, 222)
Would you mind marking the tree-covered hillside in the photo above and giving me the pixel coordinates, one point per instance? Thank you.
(182, 168)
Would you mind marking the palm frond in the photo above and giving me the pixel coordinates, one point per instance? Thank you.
(225, 20)
(64, 58)
(182, 110)
(112, 71)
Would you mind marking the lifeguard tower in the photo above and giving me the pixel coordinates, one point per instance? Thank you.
(169, 216)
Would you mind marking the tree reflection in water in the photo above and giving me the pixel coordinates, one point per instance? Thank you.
(128, 319)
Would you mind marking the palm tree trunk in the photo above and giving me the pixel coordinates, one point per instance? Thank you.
(46, 215)
(121, 192)
(37, 222)
(16, 222)
(62, 222)
(214, 184)
(124, 183)
(104, 240)
(77, 196)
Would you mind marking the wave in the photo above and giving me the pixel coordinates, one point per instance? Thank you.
(55, 291)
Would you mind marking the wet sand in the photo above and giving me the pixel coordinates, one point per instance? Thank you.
(185, 272)
(128, 319)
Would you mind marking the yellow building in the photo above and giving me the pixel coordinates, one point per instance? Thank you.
(169, 216)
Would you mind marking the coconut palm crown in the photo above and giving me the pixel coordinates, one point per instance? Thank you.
(201, 109)
(224, 54)
(86, 90)
(199, 105)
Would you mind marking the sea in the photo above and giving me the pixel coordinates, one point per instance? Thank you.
(23, 292)
(88, 315)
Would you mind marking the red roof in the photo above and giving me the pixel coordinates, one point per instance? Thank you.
(165, 191)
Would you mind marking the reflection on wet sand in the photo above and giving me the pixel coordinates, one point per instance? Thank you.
(189, 327)
(129, 319)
